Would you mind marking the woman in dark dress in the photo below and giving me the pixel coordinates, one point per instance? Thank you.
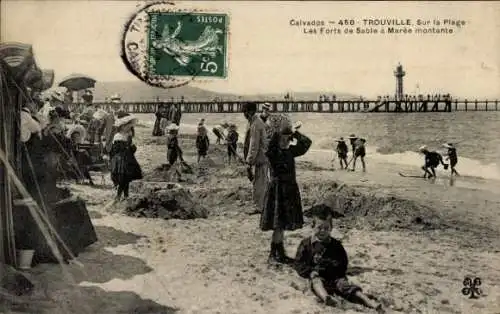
(124, 165)
(283, 207)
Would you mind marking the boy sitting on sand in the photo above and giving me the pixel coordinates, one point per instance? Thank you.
(323, 260)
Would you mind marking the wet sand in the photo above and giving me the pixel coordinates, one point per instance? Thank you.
(218, 264)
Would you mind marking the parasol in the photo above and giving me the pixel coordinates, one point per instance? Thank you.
(76, 82)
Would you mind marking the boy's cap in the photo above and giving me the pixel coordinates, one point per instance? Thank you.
(324, 211)
(321, 211)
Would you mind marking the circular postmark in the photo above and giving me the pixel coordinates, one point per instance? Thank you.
(168, 46)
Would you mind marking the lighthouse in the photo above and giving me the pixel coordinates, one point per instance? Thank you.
(399, 74)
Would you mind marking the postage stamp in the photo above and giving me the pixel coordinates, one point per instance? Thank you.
(167, 46)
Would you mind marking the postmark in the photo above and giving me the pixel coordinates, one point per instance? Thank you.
(168, 46)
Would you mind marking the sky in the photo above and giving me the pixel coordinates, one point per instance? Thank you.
(267, 55)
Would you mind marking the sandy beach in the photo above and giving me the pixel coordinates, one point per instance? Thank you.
(410, 244)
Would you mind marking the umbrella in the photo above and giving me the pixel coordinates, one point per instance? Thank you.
(76, 82)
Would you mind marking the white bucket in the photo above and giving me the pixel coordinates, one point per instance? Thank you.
(24, 258)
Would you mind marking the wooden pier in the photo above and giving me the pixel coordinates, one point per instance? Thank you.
(341, 106)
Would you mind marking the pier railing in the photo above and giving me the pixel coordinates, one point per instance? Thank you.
(340, 106)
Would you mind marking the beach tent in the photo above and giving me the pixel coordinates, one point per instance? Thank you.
(17, 67)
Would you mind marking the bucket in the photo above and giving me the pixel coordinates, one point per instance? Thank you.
(24, 258)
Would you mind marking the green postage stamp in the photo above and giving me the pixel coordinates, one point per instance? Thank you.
(166, 46)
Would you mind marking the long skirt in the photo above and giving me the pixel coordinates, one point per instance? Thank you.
(260, 183)
(283, 209)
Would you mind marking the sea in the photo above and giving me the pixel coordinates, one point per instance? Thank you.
(393, 137)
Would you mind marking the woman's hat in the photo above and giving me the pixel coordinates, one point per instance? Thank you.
(352, 136)
(76, 128)
(232, 126)
(266, 106)
(57, 95)
(99, 114)
(448, 145)
(125, 120)
(422, 148)
(120, 114)
(341, 139)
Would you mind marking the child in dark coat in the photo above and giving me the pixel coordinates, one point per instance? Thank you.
(282, 205)
(342, 152)
(202, 142)
(124, 165)
(232, 142)
(323, 260)
(174, 151)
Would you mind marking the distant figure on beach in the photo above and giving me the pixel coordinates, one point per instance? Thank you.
(341, 150)
(323, 260)
(359, 152)
(266, 113)
(174, 151)
(219, 131)
(175, 114)
(124, 165)
(202, 142)
(283, 204)
(452, 157)
(232, 143)
(432, 161)
(266, 109)
(352, 140)
(256, 159)
(161, 121)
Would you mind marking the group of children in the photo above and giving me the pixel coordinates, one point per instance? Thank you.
(433, 159)
(320, 258)
(358, 151)
(225, 133)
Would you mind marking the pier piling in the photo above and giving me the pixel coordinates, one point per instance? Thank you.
(335, 106)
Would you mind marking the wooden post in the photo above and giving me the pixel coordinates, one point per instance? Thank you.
(456, 105)
(486, 106)
(10, 110)
(475, 105)
(496, 105)
(465, 103)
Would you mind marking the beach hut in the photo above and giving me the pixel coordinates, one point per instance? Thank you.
(17, 69)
